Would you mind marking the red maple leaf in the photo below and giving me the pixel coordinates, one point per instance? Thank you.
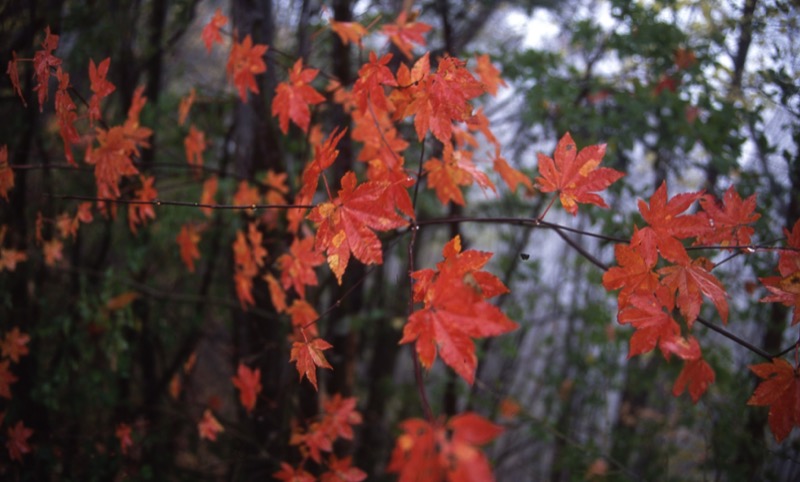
(248, 381)
(66, 114)
(297, 266)
(654, 326)
(6, 379)
(15, 344)
(690, 280)
(13, 74)
(17, 443)
(43, 60)
(324, 156)
(696, 375)
(789, 260)
(292, 98)
(308, 355)
(368, 88)
(437, 100)
(346, 224)
(575, 175)
(123, 434)
(101, 87)
(245, 61)
(405, 34)
(6, 173)
(785, 290)
(291, 474)
(728, 222)
(667, 224)
(633, 274)
(436, 452)
(511, 176)
(340, 416)
(780, 390)
(341, 470)
(210, 33)
(209, 427)
(455, 310)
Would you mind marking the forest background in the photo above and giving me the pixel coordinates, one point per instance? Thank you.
(127, 340)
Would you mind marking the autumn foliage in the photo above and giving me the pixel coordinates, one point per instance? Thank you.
(332, 222)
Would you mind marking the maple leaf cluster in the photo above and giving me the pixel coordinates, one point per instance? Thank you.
(13, 346)
(649, 295)
(336, 421)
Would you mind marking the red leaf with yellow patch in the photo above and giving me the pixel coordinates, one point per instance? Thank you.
(346, 225)
(576, 175)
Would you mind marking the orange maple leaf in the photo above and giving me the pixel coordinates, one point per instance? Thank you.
(187, 239)
(348, 31)
(101, 87)
(209, 427)
(780, 390)
(441, 452)
(405, 34)
(489, 74)
(308, 356)
(15, 344)
(575, 175)
(194, 144)
(139, 213)
(439, 99)
(292, 98)
(632, 275)
(297, 266)
(455, 310)
(276, 293)
(248, 381)
(210, 33)
(184, 106)
(207, 197)
(245, 61)
(456, 169)
(346, 224)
